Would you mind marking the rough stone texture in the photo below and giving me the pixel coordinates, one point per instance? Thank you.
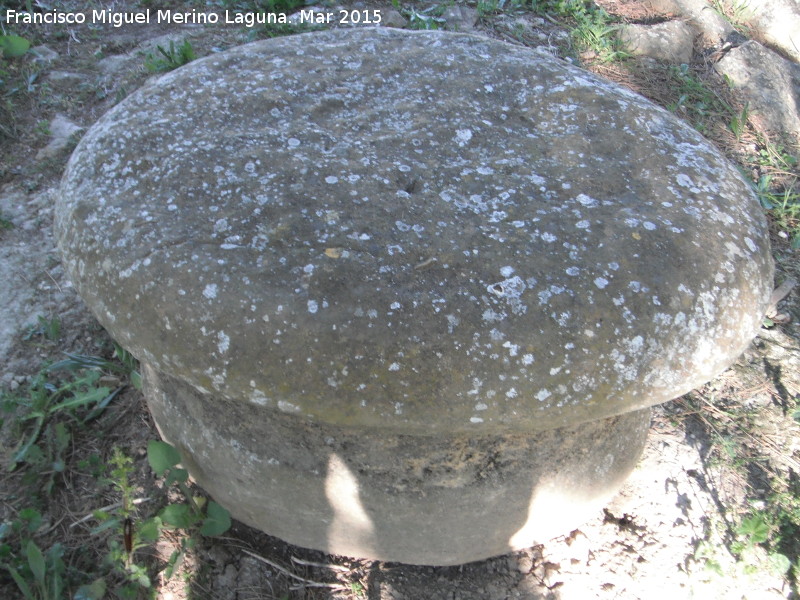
(393, 18)
(313, 228)
(460, 18)
(61, 132)
(770, 83)
(778, 23)
(709, 23)
(672, 41)
(441, 500)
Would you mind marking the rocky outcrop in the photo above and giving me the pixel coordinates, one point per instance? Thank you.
(770, 84)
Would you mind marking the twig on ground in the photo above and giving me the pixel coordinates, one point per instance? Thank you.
(135, 502)
(288, 573)
(779, 294)
(308, 563)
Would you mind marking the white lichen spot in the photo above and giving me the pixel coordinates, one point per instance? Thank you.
(394, 367)
(649, 226)
(684, 180)
(210, 291)
(463, 136)
(491, 316)
(331, 179)
(601, 282)
(543, 395)
(475, 420)
(527, 359)
(394, 305)
(288, 407)
(506, 271)
(583, 224)
(223, 342)
(313, 306)
(512, 393)
(573, 271)
(481, 406)
(549, 237)
(587, 201)
(452, 322)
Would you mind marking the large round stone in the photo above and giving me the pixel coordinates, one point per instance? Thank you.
(390, 234)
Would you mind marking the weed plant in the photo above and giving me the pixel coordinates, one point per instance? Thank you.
(593, 30)
(49, 417)
(165, 60)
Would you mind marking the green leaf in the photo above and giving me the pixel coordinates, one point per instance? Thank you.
(178, 515)
(177, 475)
(91, 397)
(755, 529)
(218, 520)
(21, 584)
(35, 561)
(150, 530)
(13, 45)
(161, 456)
(779, 563)
(108, 524)
(136, 380)
(32, 516)
(93, 591)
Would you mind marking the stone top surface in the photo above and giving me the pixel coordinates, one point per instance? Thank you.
(422, 231)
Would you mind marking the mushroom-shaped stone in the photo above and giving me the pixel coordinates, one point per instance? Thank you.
(409, 295)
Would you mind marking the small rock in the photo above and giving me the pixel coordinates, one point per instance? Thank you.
(778, 23)
(713, 27)
(768, 82)
(66, 78)
(225, 585)
(672, 41)
(392, 18)
(460, 18)
(61, 130)
(43, 55)
(249, 575)
(111, 65)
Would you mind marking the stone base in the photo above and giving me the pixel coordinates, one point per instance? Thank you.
(440, 500)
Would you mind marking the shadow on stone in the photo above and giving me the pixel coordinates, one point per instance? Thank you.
(441, 500)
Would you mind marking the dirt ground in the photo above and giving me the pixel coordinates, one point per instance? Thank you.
(712, 510)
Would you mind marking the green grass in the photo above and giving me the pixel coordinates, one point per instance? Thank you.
(778, 187)
(60, 410)
(764, 536)
(164, 60)
(736, 12)
(696, 102)
(592, 29)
